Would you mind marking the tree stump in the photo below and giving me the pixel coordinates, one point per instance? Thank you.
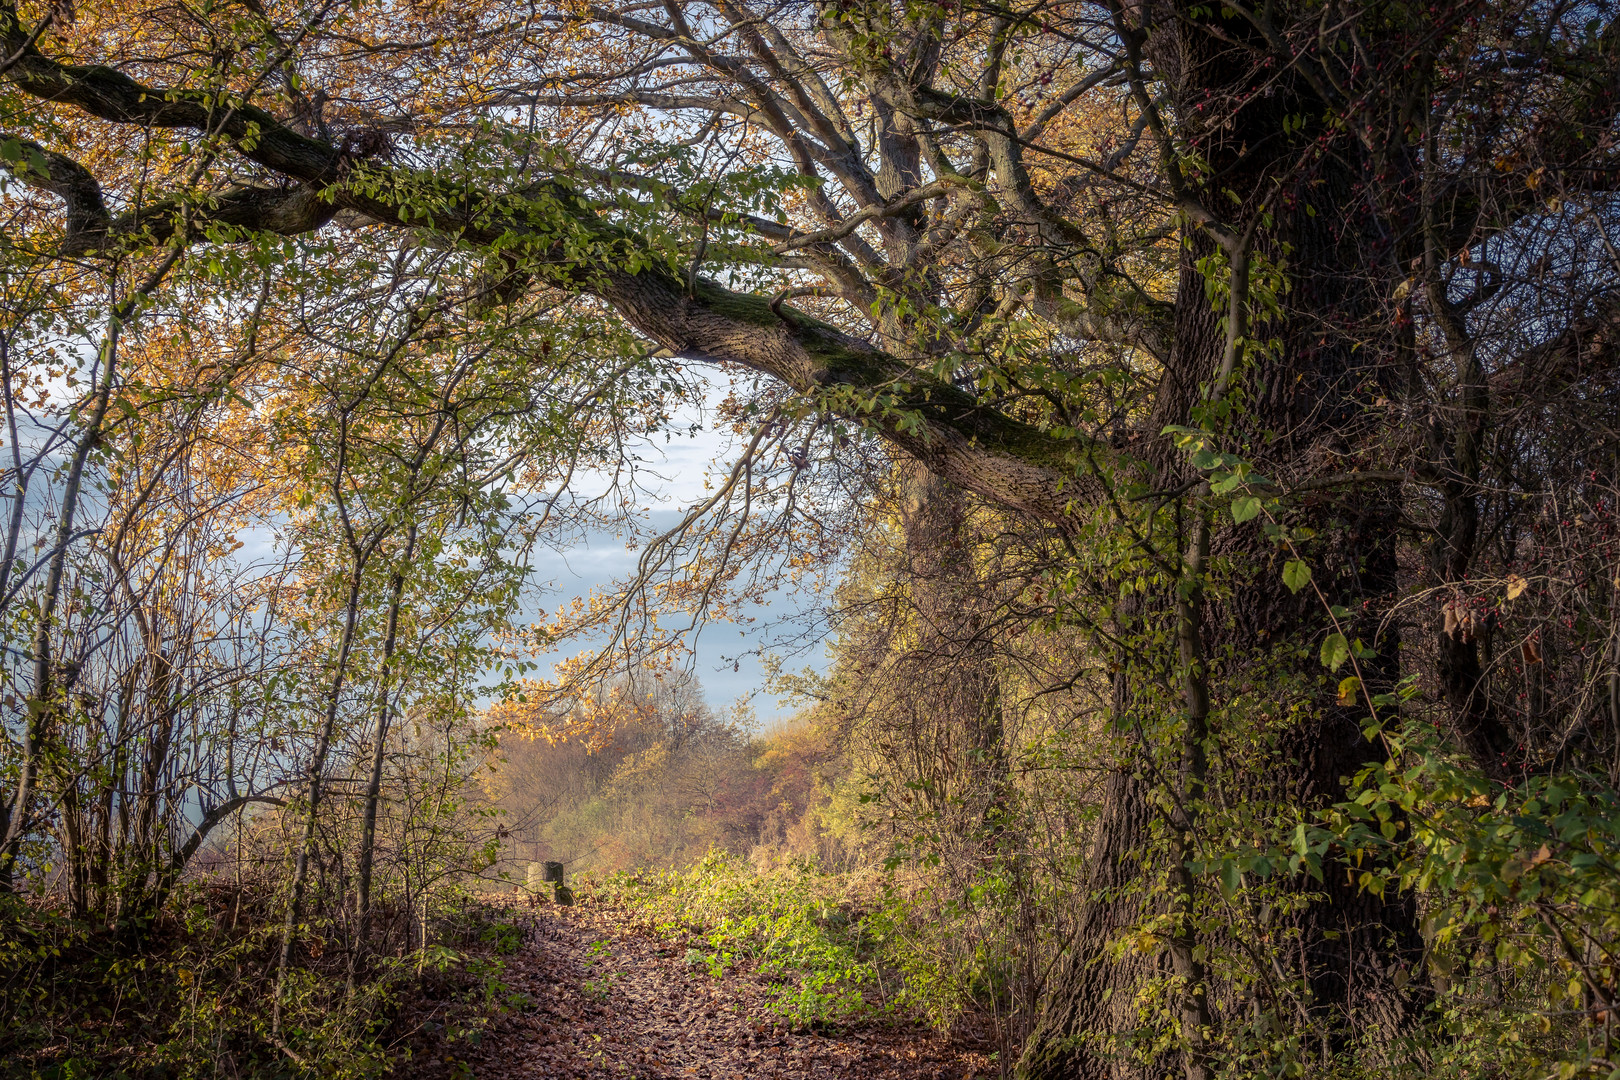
(560, 893)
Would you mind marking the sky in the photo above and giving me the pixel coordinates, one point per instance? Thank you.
(725, 656)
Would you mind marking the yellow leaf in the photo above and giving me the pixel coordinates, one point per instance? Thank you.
(1515, 586)
(1348, 689)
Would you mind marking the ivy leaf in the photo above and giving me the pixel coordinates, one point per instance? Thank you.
(1296, 574)
(1245, 508)
(1335, 651)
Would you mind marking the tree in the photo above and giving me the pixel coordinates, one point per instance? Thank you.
(1210, 296)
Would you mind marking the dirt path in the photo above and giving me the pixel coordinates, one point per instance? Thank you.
(606, 1000)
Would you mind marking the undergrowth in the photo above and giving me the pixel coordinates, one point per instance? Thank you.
(826, 959)
(187, 995)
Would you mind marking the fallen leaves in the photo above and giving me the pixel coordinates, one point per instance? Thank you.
(603, 999)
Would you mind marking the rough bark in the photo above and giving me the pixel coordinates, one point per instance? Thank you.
(1308, 393)
(1090, 1002)
(954, 656)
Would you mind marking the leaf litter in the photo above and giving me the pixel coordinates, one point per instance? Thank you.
(596, 997)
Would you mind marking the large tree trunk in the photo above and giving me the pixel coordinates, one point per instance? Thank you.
(1355, 951)
(1298, 409)
(953, 657)
(952, 678)
(1090, 1002)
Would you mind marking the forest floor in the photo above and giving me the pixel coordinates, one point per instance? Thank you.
(602, 998)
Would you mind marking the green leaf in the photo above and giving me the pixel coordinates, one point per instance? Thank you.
(1231, 877)
(1335, 650)
(1245, 508)
(1296, 574)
